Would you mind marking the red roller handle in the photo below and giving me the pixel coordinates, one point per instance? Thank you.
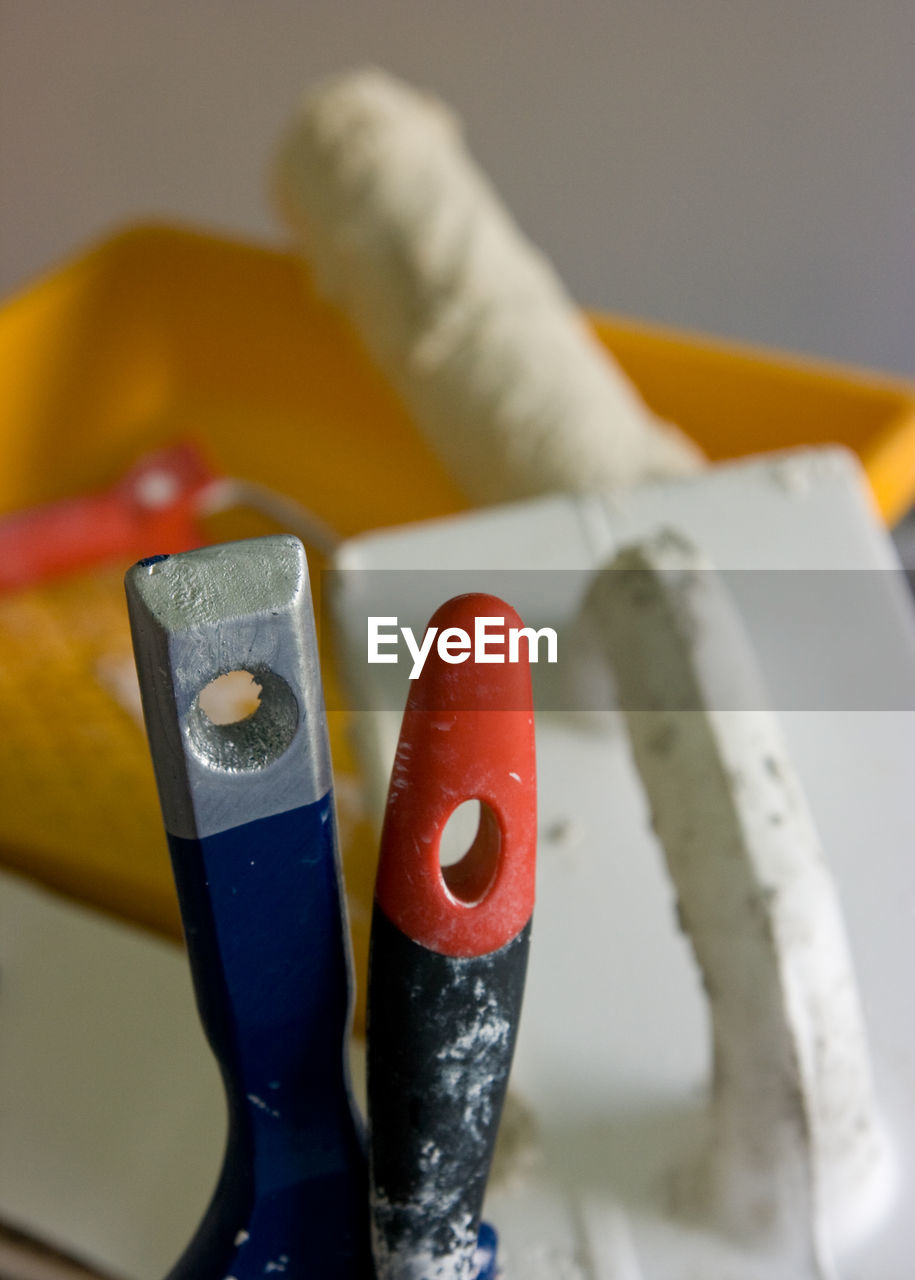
(153, 508)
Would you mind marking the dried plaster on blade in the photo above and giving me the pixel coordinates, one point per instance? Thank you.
(796, 1163)
(466, 318)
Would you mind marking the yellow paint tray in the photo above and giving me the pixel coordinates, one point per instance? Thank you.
(162, 335)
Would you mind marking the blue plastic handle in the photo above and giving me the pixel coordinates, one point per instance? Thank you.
(263, 921)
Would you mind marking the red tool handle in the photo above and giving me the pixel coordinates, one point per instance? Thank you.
(468, 733)
(449, 949)
(151, 509)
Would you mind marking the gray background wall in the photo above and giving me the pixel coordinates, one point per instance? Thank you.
(737, 167)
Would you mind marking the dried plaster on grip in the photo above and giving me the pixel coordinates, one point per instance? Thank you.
(796, 1162)
(213, 612)
(470, 322)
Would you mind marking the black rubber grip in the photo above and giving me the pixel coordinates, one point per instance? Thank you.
(441, 1037)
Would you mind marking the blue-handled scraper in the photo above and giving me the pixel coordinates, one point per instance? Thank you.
(249, 814)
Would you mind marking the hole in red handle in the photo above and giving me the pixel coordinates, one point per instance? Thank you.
(459, 832)
(468, 877)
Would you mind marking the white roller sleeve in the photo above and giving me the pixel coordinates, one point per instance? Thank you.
(796, 1163)
(468, 321)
